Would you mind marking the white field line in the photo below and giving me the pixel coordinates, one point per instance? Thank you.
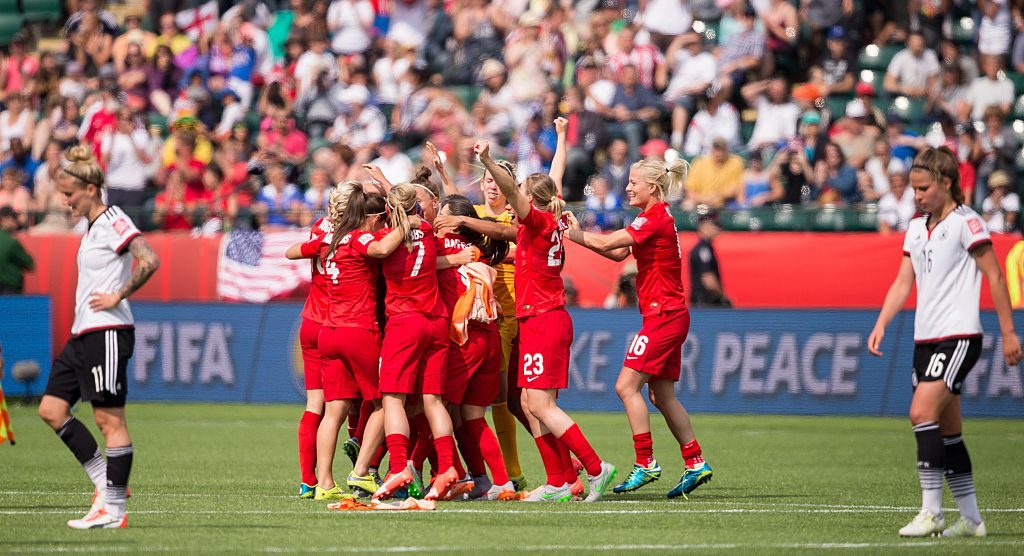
(526, 510)
(106, 548)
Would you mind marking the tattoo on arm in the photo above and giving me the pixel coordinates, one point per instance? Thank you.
(147, 263)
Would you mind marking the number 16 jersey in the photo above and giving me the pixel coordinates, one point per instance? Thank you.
(539, 261)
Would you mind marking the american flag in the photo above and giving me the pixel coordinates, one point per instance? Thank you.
(252, 266)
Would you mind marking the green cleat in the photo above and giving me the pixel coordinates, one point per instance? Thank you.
(362, 486)
(639, 477)
(306, 491)
(691, 479)
(351, 449)
(333, 493)
(416, 488)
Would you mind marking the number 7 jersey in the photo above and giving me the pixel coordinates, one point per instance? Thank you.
(539, 260)
(411, 276)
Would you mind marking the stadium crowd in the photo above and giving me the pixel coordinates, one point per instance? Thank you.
(248, 118)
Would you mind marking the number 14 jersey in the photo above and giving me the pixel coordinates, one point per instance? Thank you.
(539, 261)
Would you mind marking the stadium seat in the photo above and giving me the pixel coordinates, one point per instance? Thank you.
(1018, 81)
(467, 94)
(41, 10)
(10, 24)
(873, 77)
(962, 30)
(909, 109)
(874, 57)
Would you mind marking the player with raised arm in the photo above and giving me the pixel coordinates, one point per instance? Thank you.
(945, 251)
(653, 357)
(545, 330)
(93, 365)
(415, 348)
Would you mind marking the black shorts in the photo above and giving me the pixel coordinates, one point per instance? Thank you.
(949, 361)
(94, 367)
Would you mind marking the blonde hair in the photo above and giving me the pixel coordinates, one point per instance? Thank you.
(667, 177)
(84, 167)
(402, 200)
(545, 194)
(338, 199)
(941, 163)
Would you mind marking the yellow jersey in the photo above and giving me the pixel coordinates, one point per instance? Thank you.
(504, 283)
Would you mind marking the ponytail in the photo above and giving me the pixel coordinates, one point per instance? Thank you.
(401, 201)
(667, 178)
(84, 167)
(545, 194)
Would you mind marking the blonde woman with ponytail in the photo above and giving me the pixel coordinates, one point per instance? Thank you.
(93, 365)
(946, 251)
(545, 332)
(314, 312)
(414, 353)
(653, 357)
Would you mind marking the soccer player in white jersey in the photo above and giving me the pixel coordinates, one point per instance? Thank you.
(93, 366)
(947, 249)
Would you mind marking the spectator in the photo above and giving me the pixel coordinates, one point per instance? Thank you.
(314, 61)
(949, 53)
(995, 149)
(776, 112)
(1001, 207)
(45, 83)
(439, 27)
(170, 36)
(16, 122)
(393, 163)
(988, 90)
(995, 31)
(360, 125)
(693, 70)
(782, 27)
(706, 289)
(14, 260)
(232, 114)
(833, 72)
(133, 34)
(914, 70)
(286, 142)
(350, 23)
(91, 45)
(854, 135)
(107, 19)
(616, 169)
(18, 68)
(21, 160)
(950, 96)
(127, 155)
(624, 293)
(837, 179)
(318, 194)
(717, 119)
(15, 195)
(279, 202)
(715, 178)
(604, 206)
(880, 165)
(757, 188)
(531, 63)
(187, 166)
(633, 106)
(585, 134)
(742, 53)
(646, 58)
(406, 22)
(173, 207)
(320, 105)
(664, 21)
(476, 39)
(897, 207)
(388, 72)
(791, 177)
(45, 197)
(810, 135)
(532, 148)
(162, 79)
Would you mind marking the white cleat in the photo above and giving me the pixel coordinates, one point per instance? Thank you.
(548, 493)
(100, 520)
(99, 502)
(966, 528)
(925, 524)
(506, 491)
(600, 482)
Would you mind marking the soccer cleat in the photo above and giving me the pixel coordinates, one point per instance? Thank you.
(333, 493)
(965, 528)
(600, 482)
(351, 448)
(362, 486)
(99, 503)
(577, 489)
(100, 520)
(416, 488)
(306, 491)
(548, 493)
(639, 477)
(503, 492)
(519, 482)
(392, 483)
(924, 524)
(691, 479)
(442, 484)
(481, 486)
(461, 489)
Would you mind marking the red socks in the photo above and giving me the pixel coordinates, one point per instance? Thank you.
(547, 445)
(469, 447)
(643, 444)
(423, 448)
(569, 474)
(365, 410)
(307, 446)
(480, 435)
(378, 456)
(691, 454)
(398, 446)
(574, 439)
(445, 448)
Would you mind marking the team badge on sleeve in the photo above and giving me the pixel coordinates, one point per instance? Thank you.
(365, 239)
(120, 226)
(638, 223)
(975, 225)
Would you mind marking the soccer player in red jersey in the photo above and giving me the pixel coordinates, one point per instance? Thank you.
(654, 355)
(474, 356)
(415, 349)
(545, 331)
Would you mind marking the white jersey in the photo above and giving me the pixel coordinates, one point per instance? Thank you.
(948, 279)
(104, 266)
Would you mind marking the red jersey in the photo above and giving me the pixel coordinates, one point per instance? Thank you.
(659, 261)
(411, 276)
(350, 280)
(449, 280)
(539, 261)
(320, 237)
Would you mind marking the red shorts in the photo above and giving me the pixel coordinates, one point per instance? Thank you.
(474, 369)
(309, 333)
(414, 355)
(656, 349)
(351, 363)
(544, 342)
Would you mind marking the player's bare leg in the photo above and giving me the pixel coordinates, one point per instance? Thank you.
(335, 412)
(646, 470)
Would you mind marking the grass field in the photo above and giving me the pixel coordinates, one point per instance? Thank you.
(213, 479)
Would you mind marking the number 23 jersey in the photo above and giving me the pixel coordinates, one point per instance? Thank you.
(948, 279)
(539, 261)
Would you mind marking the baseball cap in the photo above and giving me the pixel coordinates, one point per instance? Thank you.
(999, 178)
(836, 32)
(856, 109)
(810, 117)
(864, 89)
